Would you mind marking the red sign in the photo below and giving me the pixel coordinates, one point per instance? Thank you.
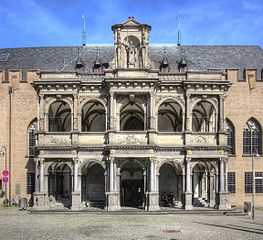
(5, 173)
(5, 179)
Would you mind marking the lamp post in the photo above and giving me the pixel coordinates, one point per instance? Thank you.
(254, 155)
(3, 152)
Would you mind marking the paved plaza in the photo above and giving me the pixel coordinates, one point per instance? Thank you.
(16, 225)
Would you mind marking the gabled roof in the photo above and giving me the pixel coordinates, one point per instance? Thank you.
(131, 22)
(197, 57)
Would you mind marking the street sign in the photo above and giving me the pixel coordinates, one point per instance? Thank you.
(5, 179)
(5, 173)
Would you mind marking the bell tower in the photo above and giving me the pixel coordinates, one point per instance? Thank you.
(131, 41)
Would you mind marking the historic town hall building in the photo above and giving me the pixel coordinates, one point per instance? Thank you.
(132, 125)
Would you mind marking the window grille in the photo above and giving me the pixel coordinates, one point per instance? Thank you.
(248, 182)
(231, 179)
(32, 138)
(30, 183)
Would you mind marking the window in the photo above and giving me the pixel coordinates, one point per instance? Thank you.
(30, 183)
(231, 179)
(1, 186)
(251, 137)
(248, 182)
(230, 138)
(259, 182)
(32, 138)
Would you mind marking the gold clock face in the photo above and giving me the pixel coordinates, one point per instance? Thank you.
(74, 152)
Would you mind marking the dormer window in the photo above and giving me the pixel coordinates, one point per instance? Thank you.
(164, 66)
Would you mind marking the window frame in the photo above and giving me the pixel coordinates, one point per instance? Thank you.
(231, 182)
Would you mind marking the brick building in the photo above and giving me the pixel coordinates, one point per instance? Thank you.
(132, 124)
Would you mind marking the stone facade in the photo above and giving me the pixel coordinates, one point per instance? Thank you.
(108, 138)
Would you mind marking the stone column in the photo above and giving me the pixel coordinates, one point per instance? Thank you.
(40, 197)
(153, 195)
(223, 194)
(41, 160)
(113, 196)
(188, 194)
(112, 108)
(221, 112)
(222, 175)
(211, 191)
(36, 175)
(76, 202)
(187, 112)
(152, 112)
(75, 113)
(41, 123)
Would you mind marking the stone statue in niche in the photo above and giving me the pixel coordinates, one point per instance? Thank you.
(131, 54)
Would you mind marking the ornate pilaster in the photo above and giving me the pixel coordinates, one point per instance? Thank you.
(153, 195)
(40, 197)
(113, 196)
(223, 194)
(187, 112)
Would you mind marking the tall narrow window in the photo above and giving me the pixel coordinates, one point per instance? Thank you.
(30, 183)
(251, 137)
(259, 182)
(231, 180)
(32, 138)
(230, 138)
(248, 182)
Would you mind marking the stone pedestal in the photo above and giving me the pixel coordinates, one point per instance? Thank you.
(188, 205)
(153, 201)
(212, 203)
(224, 201)
(76, 203)
(40, 200)
(113, 201)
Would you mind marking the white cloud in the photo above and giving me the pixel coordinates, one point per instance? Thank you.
(251, 6)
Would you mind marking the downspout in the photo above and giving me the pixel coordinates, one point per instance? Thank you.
(10, 90)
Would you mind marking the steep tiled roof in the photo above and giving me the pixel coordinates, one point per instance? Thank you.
(197, 57)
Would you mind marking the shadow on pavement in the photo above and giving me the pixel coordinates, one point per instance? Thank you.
(234, 227)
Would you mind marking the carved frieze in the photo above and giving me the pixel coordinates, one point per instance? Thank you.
(58, 140)
(203, 140)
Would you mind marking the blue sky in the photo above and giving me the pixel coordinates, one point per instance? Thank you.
(29, 23)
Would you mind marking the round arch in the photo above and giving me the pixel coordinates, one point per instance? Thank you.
(170, 116)
(93, 116)
(132, 116)
(59, 116)
(204, 116)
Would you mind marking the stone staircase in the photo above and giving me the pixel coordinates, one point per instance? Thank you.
(199, 202)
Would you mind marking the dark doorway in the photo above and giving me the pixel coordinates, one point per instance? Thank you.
(132, 193)
(132, 185)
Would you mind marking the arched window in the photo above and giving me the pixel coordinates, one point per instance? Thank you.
(251, 137)
(230, 131)
(204, 117)
(170, 117)
(32, 138)
(132, 117)
(93, 117)
(59, 117)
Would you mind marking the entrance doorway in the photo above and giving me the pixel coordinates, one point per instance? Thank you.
(93, 185)
(132, 185)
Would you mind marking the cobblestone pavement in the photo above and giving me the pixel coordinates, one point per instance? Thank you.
(16, 225)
